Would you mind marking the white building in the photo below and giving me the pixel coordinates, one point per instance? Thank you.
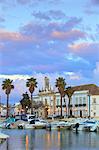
(84, 101)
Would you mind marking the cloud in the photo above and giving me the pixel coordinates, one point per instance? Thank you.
(15, 3)
(40, 15)
(1, 46)
(91, 12)
(73, 21)
(71, 35)
(96, 72)
(49, 15)
(53, 30)
(87, 50)
(19, 82)
(14, 77)
(80, 46)
(95, 2)
(2, 20)
(41, 47)
(13, 36)
(92, 3)
(73, 76)
(24, 2)
(74, 58)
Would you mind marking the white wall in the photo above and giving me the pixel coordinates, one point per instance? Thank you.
(78, 98)
(94, 105)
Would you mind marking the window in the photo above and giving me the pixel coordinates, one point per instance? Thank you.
(64, 100)
(45, 101)
(94, 100)
(94, 114)
(80, 100)
(71, 101)
(84, 100)
(76, 100)
(94, 107)
(57, 101)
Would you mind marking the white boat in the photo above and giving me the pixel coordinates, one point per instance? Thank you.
(79, 124)
(29, 126)
(3, 136)
(63, 125)
(86, 125)
(91, 125)
(36, 123)
(52, 125)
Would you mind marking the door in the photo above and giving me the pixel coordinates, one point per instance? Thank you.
(80, 113)
(70, 112)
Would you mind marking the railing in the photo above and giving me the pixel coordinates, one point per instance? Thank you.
(80, 105)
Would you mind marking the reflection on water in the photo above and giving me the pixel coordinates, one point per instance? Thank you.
(46, 140)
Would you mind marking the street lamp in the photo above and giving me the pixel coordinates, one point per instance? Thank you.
(89, 104)
(26, 109)
(58, 110)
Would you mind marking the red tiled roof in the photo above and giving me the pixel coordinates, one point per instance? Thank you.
(92, 88)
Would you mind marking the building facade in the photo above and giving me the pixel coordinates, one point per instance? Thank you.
(84, 101)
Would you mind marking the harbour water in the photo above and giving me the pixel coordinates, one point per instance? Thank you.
(50, 140)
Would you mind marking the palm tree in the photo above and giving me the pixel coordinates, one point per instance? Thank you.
(69, 92)
(31, 84)
(7, 86)
(60, 84)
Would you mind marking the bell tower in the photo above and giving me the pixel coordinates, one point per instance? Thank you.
(46, 82)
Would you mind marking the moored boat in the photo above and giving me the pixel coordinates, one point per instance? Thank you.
(63, 125)
(91, 125)
(36, 123)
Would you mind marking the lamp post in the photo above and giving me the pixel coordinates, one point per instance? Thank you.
(74, 111)
(89, 105)
(0, 106)
(58, 111)
(26, 109)
(65, 106)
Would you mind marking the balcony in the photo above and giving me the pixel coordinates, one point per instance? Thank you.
(80, 105)
(76, 105)
(58, 106)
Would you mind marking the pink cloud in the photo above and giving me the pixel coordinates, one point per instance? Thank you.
(68, 35)
(13, 36)
(79, 46)
(88, 50)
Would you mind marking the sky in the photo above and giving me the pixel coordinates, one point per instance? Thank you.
(51, 38)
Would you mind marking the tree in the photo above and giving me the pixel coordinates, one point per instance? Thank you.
(60, 84)
(25, 101)
(7, 86)
(31, 84)
(69, 92)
